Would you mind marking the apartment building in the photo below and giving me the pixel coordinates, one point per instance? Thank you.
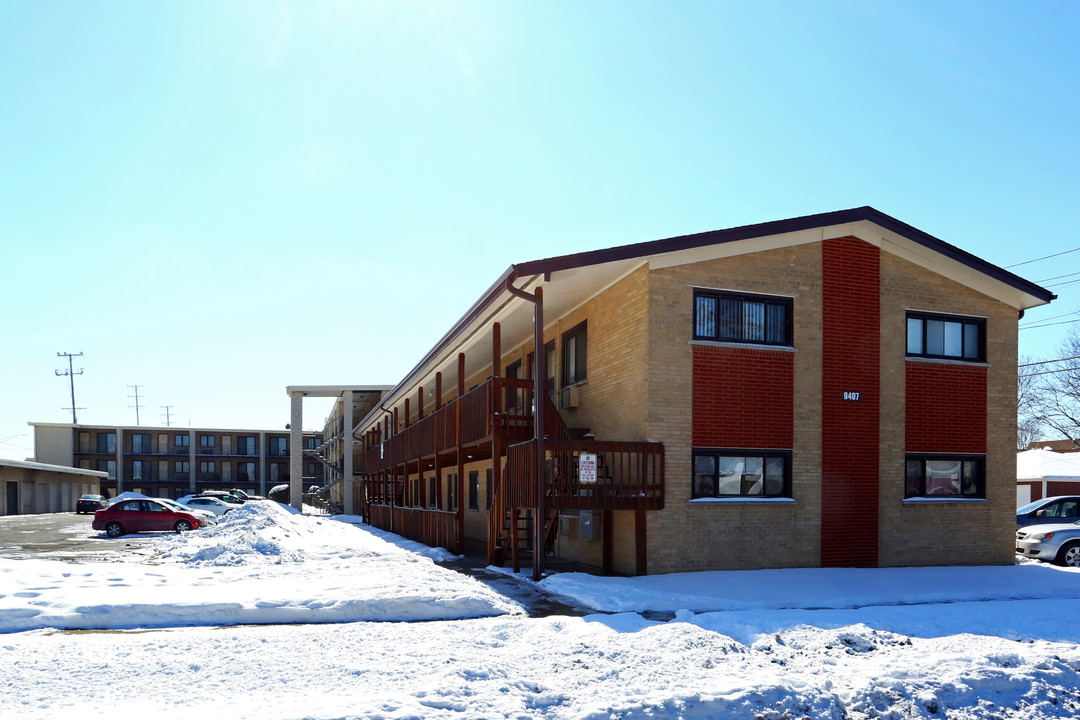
(172, 462)
(830, 390)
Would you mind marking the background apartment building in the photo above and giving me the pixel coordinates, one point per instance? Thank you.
(172, 462)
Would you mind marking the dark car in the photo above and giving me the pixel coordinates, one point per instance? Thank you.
(90, 503)
(1058, 509)
(144, 515)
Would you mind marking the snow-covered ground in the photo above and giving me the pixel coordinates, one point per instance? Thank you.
(186, 626)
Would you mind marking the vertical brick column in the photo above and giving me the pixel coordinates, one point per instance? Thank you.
(851, 363)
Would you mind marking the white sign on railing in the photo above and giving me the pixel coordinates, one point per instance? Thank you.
(587, 468)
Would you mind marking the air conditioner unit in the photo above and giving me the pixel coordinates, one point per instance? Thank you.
(568, 397)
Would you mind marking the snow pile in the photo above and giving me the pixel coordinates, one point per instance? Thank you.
(817, 587)
(592, 668)
(262, 564)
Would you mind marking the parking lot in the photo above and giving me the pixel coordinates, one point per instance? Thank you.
(62, 536)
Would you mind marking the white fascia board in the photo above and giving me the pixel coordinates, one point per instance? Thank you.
(736, 247)
(872, 233)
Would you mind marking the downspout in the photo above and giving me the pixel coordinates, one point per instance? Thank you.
(539, 374)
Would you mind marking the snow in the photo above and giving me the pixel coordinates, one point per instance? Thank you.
(191, 624)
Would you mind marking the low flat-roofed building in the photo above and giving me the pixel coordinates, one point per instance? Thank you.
(29, 488)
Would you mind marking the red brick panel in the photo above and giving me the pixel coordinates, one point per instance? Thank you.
(946, 408)
(851, 350)
(1059, 488)
(743, 397)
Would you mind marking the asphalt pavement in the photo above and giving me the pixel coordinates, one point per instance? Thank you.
(61, 536)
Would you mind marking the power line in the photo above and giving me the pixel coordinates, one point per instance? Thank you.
(136, 405)
(1036, 327)
(1052, 317)
(70, 373)
(1050, 372)
(1026, 262)
(1047, 362)
(1058, 277)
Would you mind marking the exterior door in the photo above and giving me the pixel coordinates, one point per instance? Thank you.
(12, 506)
(226, 444)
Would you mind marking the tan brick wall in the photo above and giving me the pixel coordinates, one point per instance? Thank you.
(951, 533)
(690, 536)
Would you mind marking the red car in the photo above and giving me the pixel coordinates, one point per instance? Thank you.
(143, 514)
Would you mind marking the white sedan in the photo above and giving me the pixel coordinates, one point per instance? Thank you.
(206, 503)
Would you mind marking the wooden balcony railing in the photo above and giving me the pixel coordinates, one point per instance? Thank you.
(500, 405)
(630, 475)
(437, 528)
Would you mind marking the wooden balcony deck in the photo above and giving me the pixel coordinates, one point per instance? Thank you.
(630, 475)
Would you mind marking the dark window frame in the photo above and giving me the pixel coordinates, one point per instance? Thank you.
(180, 440)
(576, 338)
(967, 353)
(915, 485)
(141, 444)
(699, 488)
(771, 304)
(207, 441)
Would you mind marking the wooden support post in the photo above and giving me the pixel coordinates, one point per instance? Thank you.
(641, 561)
(438, 390)
(457, 442)
(513, 540)
(407, 412)
(496, 350)
(607, 535)
(419, 403)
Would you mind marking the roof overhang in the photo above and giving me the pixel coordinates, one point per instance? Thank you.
(569, 281)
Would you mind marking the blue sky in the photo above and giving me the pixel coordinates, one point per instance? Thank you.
(214, 200)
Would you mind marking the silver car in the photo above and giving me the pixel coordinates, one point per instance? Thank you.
(1056, 543)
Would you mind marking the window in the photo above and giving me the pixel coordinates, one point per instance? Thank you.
(140, 443)
(279, 446)
(949, 337)
(226, 472)
(106, 442)
(433, 497)
(182, 466)
(312, 443)
(140, 470)
(182, 440)
(741, 473)
(474, 490)
(245, 471)
(207, 441)
(488, 489)
(108, 466)
(742, 318)
(207, 467)
(960, 476)
(573, 355)
(245, 445)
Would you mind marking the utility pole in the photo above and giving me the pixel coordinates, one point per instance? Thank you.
(70, 373)
(136, 405)
(168, 418)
